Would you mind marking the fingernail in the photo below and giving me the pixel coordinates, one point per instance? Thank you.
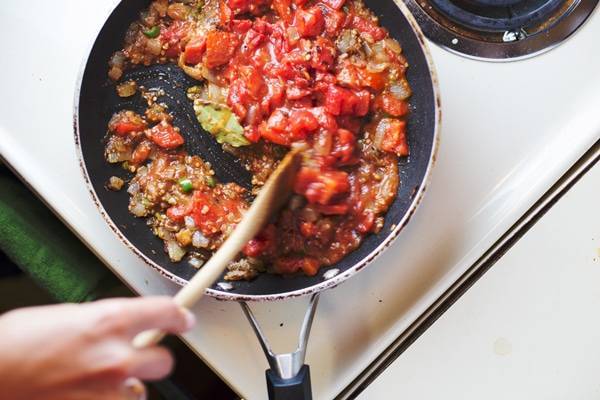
(134, 389)
(190, 319)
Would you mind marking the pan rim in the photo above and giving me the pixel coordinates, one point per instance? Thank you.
(319, 287)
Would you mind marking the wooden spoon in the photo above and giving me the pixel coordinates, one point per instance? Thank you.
(271, 198)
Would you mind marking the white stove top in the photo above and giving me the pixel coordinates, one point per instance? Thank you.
(508, 132)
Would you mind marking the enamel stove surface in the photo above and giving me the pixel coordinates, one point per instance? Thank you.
(509, 130)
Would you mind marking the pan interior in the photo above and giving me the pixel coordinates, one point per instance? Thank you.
(98, 102)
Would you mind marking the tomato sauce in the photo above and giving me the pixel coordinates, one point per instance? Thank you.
(317, 73)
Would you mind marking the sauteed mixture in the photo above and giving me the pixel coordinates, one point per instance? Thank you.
(271, 74)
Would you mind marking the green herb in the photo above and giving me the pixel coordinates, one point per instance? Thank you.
(210, 181)
(186, 185)
(152, 32)
(221, 123)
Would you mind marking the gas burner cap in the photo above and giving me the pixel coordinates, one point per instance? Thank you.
(500, 30)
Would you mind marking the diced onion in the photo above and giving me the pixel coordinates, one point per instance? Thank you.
(393, 45)
(379, 53)
(137, 208)
(189, 222)
(225, 286)
(154, 46)
(380, 131)
(401, 89)
(196, 262)
(199, 240)
(127, 89)
(293, 34)
(133, 188)
(175, 251)
(217, 94)
(376, 67)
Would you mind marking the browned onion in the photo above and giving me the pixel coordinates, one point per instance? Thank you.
(154, 46)
(401, 89)
(393, 45)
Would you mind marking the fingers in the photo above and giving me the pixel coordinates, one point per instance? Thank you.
(152, 363)
(144, 313)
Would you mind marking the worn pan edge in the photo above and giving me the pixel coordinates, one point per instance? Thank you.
(328, 284)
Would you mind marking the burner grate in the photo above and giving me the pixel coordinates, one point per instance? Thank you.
(498, 15)
(500, 30)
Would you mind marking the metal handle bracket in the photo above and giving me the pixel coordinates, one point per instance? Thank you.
(286, 365)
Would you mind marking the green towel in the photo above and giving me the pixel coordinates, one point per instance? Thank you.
(35, 240)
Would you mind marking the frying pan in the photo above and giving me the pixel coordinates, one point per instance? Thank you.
(96, 100)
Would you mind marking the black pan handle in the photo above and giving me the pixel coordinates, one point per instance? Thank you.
(289, 377)
(296, 388)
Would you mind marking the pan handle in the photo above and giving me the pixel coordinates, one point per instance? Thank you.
(296, 388)
(288, 378)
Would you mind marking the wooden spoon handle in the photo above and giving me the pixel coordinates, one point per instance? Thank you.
(271, 197)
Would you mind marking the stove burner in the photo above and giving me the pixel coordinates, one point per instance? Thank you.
(500, 29)
(497, 15)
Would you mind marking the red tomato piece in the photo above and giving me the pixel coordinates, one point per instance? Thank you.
(394, 137)
(165, 136)
(391, 105)
(308, 229)
(334, 20)
(194, 51)
(310, 266)
(126, 122)
(263, 244)
(282, 8)
(323, 55)
(326, 119)
(344, 145)
(335, 4)
(357, 78)
(242, 6)
(225, 14)
(288, 265)
(177, 213)
(340, 101)
(141, 152)
(367, 221)
(252, 134)
(333, 209)
(241, 26)
(220, 47)
(302, 122)
(125, 127)
(207, 213)
(310, 22)
(320, 187)
(172, 37)
(369, 27)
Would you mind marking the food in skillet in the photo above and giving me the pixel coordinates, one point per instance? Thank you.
(271, 74)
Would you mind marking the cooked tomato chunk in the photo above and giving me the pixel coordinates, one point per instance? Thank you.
(220, 47)
(392, 105)
(194, 51)
(166, 136)
(309, 23)
(321, 187)
(394, 136)
(126, 122)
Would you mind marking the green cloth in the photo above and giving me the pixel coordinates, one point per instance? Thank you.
(36, 241)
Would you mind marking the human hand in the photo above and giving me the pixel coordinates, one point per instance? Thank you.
(84, 352)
